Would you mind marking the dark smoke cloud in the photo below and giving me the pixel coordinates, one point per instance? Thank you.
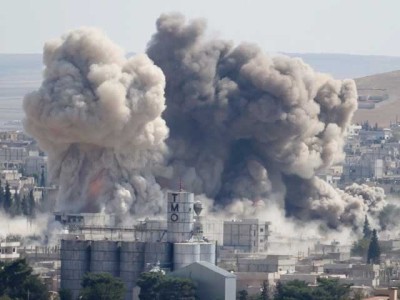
(246, 130)
(389, 218)
(349, 206)
(98, 116)
(245, 126)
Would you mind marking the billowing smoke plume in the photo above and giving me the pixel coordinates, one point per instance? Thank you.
(246, 127)
(98, 116)
(247, 131)
(389, 218)
(337, 206)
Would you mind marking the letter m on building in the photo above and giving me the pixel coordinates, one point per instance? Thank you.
(175, 207)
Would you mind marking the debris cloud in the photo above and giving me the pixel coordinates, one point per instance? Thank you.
(98, 116)
(246, 126)
(245, 131)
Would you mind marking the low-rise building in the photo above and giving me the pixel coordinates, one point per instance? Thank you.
(356, 274)
(269, 264)
(212, 281)
(253, 281)
(85, 219)
(9, 251)
(307, 278)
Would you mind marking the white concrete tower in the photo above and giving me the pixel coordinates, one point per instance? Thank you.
(179, 216)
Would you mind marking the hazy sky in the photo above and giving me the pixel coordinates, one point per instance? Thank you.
(334, 26)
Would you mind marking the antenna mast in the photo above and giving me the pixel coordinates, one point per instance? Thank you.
(180, 184)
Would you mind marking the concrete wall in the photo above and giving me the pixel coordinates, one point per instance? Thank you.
(249, 234)
(180, 214)
(360, 281)
(337, 269)
(213, 282)
(125, 260)
(207, 252)
(269, 264)
(131, 264)
(85, 219)
(253, 281)
(213, 229)
(308, 278)
(187, 253)
(75, 262)
(9, 251)
(158, 253)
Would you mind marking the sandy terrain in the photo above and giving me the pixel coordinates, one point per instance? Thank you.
(386, 111)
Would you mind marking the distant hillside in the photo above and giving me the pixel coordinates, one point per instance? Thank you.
(349, 66)
(19, 74)
(386, 111)
(11, 63)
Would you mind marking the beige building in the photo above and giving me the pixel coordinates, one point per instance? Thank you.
(248, 235)
(9, 251)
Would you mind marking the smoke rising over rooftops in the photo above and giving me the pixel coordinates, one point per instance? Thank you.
(247, 127)
(98, 116)
(239, 127)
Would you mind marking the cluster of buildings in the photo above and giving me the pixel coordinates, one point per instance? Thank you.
(372, 157)
(222, 256)
(23, 166)
(241, 258)
(220, 270)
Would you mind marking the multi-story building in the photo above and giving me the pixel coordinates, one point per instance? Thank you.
(34, 164)
(9, 251)
(11, 154)
(247, 235)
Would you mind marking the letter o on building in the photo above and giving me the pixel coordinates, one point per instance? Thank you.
(174, 217)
